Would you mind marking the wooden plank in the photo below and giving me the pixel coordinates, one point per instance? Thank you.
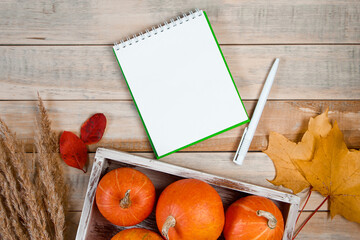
(257, 168)
(234, 22)
(72, 222)
(319, 227)
(92, 72)
(126, 132)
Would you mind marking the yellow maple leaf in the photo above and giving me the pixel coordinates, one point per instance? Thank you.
(334, 171)
(284, 153)
(320, 126)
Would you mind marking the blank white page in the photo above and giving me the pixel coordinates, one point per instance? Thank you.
(180, 84)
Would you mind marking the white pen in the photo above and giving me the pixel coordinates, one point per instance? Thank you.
(250, 130)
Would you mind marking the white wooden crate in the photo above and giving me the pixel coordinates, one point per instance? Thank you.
(94, 226)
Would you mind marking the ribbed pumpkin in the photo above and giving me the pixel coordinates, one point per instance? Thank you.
(137, 234)
(190, 209)
(125, 196)
(253, 217)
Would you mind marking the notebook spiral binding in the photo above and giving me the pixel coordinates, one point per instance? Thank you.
(158, 29)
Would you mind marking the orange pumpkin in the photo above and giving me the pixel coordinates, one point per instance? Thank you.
(137, 234)
(253, 217)
(190, 209)
(125, 196)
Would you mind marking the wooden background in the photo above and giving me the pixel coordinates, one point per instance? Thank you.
(62, 49)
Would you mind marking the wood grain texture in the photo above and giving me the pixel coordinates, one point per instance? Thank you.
(257, 168)
(234, 22)
(125, 131)
(311, 68)
(92, 72)
(320, 227)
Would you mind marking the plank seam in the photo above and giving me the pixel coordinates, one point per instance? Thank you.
(130, 100)
(221, 44)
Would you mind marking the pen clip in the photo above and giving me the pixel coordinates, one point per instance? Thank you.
(241, 143)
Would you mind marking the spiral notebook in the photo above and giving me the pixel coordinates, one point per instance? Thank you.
(180, 83)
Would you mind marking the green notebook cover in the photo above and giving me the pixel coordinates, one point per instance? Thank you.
(189, 17)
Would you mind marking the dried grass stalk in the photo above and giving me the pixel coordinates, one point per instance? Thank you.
(50, 172)
(25, 197)
(12, 213)
(32, 203)
(6, 229)
(12, 199)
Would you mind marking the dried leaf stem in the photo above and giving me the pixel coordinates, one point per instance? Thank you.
(311, 215)
(307, 199)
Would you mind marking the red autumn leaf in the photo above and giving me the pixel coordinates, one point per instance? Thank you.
(73, 150)
(93, 129)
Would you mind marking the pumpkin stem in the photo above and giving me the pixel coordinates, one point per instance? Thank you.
(169, 222)
(271, 219)
(125, 202)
